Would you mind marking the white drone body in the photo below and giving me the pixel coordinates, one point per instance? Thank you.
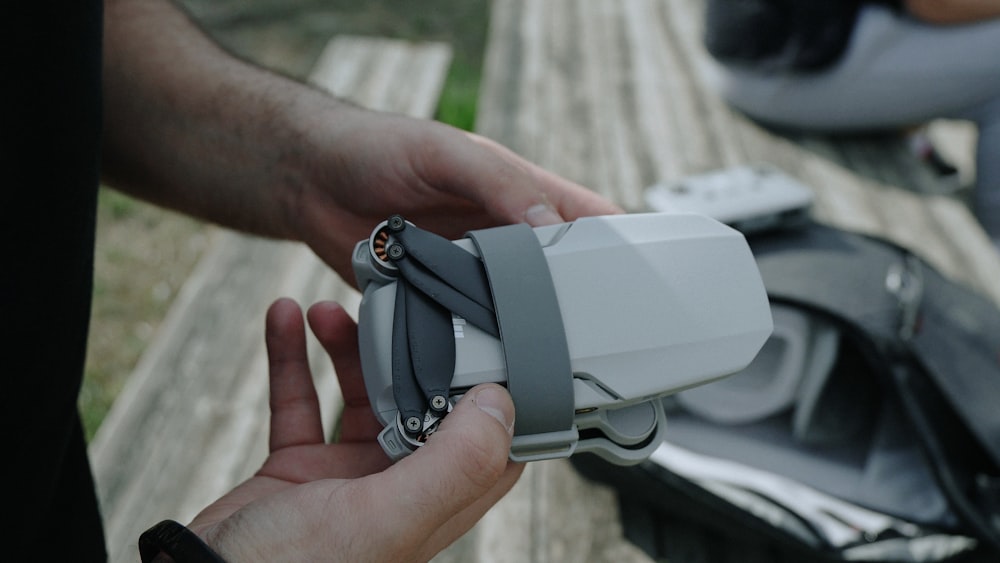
(645, 305)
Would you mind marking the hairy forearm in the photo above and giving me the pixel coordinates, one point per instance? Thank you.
(953, 11)
(190, 127)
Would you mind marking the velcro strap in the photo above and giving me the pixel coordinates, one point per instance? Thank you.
(539, 374)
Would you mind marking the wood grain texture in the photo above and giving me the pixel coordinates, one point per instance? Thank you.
(617, 95)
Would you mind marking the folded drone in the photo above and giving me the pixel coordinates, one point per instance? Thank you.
(588, 324)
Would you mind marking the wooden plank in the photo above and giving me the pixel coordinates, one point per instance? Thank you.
(616, 94)
(552, 514)
(192, 420)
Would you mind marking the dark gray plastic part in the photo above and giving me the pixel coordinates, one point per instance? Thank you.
(442, 291)
(407, 394)
(432, 348)
(460, 269)
(539, 374)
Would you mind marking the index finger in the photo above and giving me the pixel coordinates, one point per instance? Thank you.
(526, 192)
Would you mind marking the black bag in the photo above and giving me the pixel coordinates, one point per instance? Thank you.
(886, 443)
(804, 35)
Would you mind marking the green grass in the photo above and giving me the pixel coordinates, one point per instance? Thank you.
(457, 106)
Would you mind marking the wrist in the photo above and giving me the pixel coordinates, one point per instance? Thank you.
(170, 541)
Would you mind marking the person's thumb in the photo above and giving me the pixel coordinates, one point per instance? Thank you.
(460, 464)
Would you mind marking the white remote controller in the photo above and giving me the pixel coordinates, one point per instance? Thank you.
(748, 198)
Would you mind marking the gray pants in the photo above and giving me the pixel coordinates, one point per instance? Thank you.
(896, 72)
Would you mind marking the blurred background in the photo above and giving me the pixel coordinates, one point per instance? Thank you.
(145, 253)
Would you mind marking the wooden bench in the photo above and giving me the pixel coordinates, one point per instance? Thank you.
(610, 93)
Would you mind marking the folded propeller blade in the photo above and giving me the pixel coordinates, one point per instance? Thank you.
(451, 264)
(409, 398)
(432, 347)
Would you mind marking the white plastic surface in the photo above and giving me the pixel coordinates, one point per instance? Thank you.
(652, 304)
(655, 303)
(801, 348)
(749, 197)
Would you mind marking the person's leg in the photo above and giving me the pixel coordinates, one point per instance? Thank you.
(896, 72)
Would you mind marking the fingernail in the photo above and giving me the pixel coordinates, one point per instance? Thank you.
(541, 214)
(495, 402)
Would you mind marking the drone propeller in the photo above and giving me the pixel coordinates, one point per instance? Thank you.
(436, 279)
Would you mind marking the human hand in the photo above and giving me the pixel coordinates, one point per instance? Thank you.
(372, 165)
(222, 140)
(346, 501)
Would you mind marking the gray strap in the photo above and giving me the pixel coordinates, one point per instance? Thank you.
(539, 374)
